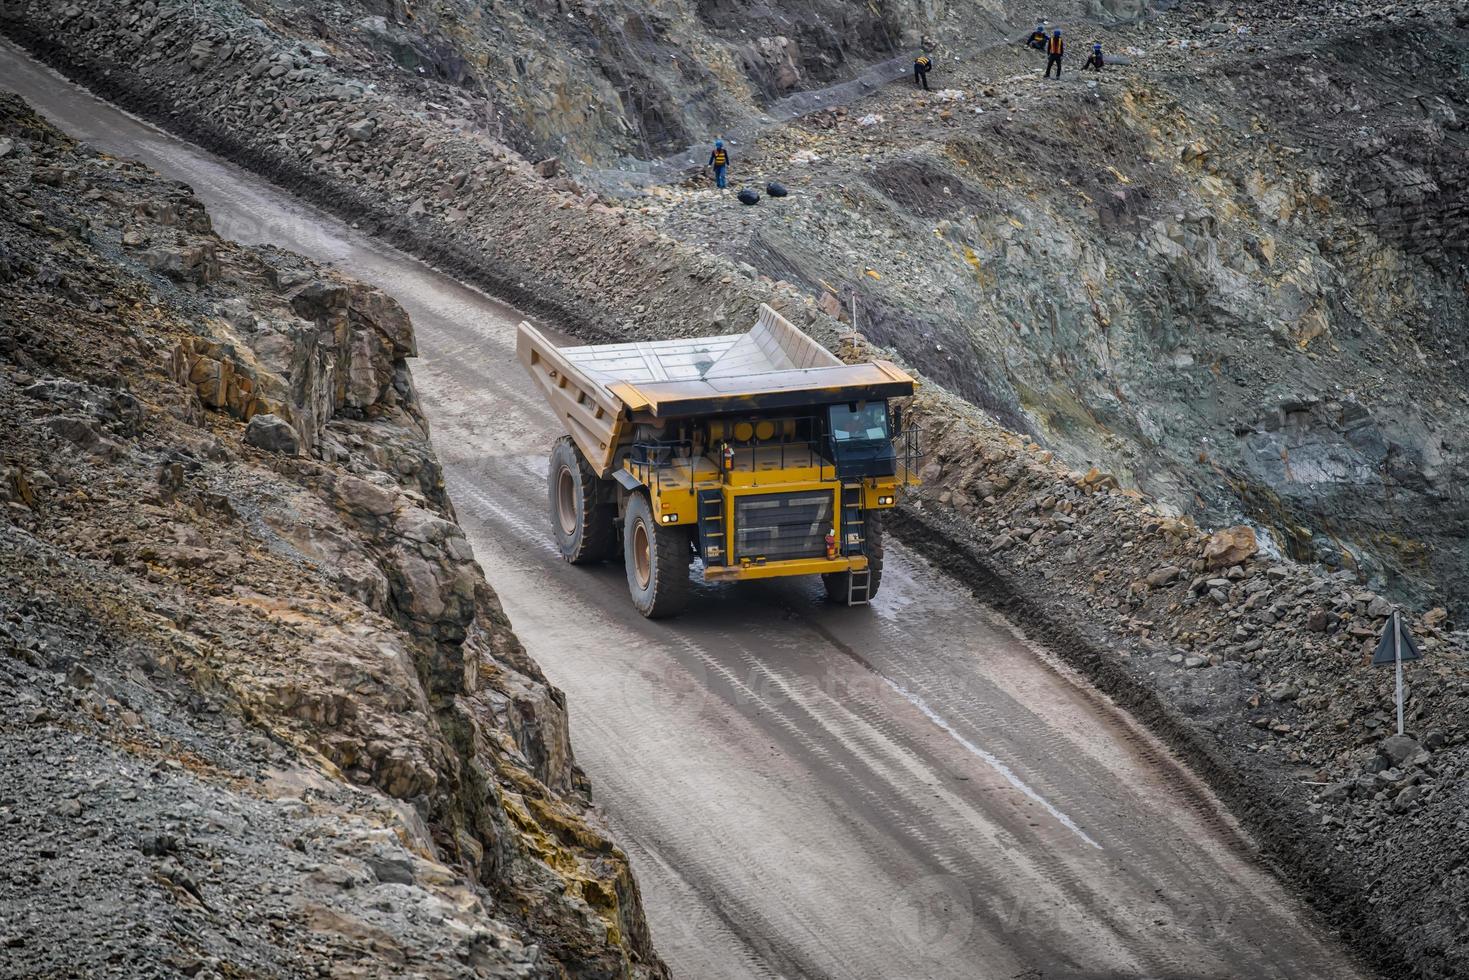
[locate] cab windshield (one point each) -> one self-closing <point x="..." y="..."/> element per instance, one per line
<point x="864" y="423"/>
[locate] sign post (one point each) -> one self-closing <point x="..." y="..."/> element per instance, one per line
<point x="1395" y="647"/>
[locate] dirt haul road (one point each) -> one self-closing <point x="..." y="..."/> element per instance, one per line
<point x="905" y="790"/>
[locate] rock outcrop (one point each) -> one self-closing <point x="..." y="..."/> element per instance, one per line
<point x="260" y="714"/>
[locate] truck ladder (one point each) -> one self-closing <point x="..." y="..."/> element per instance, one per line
<point x="859" y="580"/>
<point x="852" y="519"/>
<point x="711" y="528"/>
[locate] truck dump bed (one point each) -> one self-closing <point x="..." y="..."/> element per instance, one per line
<point x="597" y="390"/>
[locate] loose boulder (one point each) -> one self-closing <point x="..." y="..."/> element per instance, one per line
<point x="1230" y="546"/>
<point x="776" y="189"/>
<point x="749" y="196"/>
<point x="1162" y="576"/>
<point x="831" y="306"/>
<point x="196" y="263"/>
<point x="273" y="434"/>
<point x="1396" y="750"/>
<point x="362" y="129"/>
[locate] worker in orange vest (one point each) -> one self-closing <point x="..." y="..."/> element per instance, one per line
<point x="719" y="160"/>
<point x="922" y="65"/>
<point x="1055" y="48"/>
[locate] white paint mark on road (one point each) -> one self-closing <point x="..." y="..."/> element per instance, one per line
<point x="990" y="760"/>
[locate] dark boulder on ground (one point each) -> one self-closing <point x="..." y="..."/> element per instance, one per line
<point x="273" y="434"/>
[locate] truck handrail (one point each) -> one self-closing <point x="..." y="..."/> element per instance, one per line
<point x="656" y="455"/>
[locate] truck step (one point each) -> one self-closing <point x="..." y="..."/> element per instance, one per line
<point x="711" y="527"/>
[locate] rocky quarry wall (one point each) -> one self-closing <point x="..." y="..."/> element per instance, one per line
<point x="260" y="714"/>
<point x="1236" y="281"/>
<point x="1252" y="666"/>
<point x="595" y="80"/>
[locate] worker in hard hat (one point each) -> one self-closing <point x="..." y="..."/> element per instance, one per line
<point x="719" y="160"/>
<point x="1037" y="37"/>
<point x="922" y="65"/>
<point x="1094" y="62"/>
<point x="1055" y="50"/>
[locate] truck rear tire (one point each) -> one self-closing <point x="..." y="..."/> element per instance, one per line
<point x="657" y="558"/>
<point x="839" y="584"/>
<point x="583" y="506"/>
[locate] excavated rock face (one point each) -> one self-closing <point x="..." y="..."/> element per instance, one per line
<point x="259" y="711"/>
<point x="588" y="80"/>
<point x="1236" y="279"/>
<point x="1405" y="163"/>
<point x="592" y="81"/>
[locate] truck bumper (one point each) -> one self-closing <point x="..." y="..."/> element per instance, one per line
<point x="780" y="569"/>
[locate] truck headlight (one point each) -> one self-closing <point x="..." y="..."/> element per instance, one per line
<point x="884" y="501"/>
<point x="670" y="518"/>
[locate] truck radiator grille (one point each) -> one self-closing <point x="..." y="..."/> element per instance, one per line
<point x="782" y="526"/>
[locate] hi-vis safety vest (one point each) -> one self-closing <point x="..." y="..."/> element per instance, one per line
<point x="923" y="62"/>
<point x="721" y="158"/>
<point x="1056" y="46"/>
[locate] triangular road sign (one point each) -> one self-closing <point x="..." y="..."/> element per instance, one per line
<point x="1384" y="656"/>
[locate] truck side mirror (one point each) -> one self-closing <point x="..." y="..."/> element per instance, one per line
<point x="898" y="420"/>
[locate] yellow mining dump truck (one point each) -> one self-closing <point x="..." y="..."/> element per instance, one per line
<point x="759" y="454"/>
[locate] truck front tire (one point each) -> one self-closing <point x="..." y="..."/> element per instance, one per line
<point x="583" y="506"/>
<point x="839" y="584"/>
<point x="657" y="560"/>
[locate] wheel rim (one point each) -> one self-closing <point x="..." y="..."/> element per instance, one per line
<point x="566" y="501"/>
<point x="642" y="554"/>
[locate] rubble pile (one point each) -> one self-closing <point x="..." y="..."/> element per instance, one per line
<point x="260" y="714"/>
<point x="1264" y="666"/>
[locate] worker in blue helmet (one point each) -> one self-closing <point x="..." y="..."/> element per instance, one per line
<point x="1095" y="61"/>
<point x="719" y="160"/>
<point x="1055" y="51"/>
<point x="1037" y="37"/>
